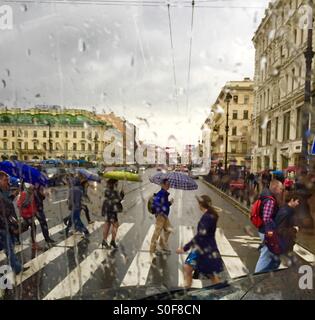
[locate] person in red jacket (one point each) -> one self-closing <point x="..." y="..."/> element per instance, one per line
<point x="27" y="205"/>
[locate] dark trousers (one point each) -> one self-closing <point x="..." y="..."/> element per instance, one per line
<point x="30" y="223"/>
<point x="43" y="223"/>
<point x="86" y="210"/>
<point x="75" y="219"/>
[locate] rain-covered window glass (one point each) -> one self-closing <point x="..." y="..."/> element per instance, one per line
<point x="286" y="126"/>
<point x="245" y="114"/>
<point x="44" y="134"/>
<point x="234" y="114"/>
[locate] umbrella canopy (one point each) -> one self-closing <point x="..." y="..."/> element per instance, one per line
<point x="90" y="176"/>
<point x="177" y="180"/>
<point x="277" y="172"/>
<point x="122" y="175"/>
<point x="24" y="172"/>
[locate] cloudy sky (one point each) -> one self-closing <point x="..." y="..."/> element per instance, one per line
<point x="118" y="58"/>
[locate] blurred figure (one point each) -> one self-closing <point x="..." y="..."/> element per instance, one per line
<point x="28" y="210"/>
<point x="204" y="256"/>
<point x="111" y="206"/>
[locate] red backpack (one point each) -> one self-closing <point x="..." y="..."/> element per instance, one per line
<point x="255" y="214"/>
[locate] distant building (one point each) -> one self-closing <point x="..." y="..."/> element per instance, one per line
<point x="239" y="134"/>
<point x="27" y="134"/>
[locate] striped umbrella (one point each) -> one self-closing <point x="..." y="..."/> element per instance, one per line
<point x="177" y="180"/>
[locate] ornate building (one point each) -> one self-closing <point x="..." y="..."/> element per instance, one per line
<point x="280" y="42"/>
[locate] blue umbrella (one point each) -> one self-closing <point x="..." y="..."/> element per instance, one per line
<point x="14" y="182"/>
<point x="177" y="180"/>
<point x="24" y="172"/>
<point x="277" y="172"/>
<point x="90" y="176"/>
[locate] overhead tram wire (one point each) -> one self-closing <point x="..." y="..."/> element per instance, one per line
<point x="190" y="49"/>
<point x="173" y="57"/>
<point x="114" y="3"/>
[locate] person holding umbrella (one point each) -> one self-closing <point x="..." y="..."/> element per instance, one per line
<point x="161" y="206"/>
<point x="204" y="257"/>
<point x="111" y="206"/>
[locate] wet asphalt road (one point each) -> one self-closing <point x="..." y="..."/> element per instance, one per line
<point x="76" y="267"/>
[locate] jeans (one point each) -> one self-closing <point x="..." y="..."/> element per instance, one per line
<point x="76" y="220"/>
<point x="7" y="243"/>
<point x="267" y="260"/>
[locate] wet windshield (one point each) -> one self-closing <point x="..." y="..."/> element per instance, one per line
<point x="159" y="145"/>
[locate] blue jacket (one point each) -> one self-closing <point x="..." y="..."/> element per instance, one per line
<point x="75" y="196"/>
<point x="161" y="203"/>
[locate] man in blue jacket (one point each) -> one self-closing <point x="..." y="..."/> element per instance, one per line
<point x="161" y="205"/>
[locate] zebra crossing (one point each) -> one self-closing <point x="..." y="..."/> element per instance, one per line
<point x="136" y="272"/>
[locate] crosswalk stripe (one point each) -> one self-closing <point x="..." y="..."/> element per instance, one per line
<point x="82" y="273"/>
<point x="304" y="254"/>
<point x="232" y="261"/>
<point x="139" y="269"/>
<point x="185" y="235"/>
<point x="51" y="254"/>
<point x="25" y="244"/>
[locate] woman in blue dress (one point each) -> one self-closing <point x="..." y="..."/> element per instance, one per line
<point x="204" y="257"/>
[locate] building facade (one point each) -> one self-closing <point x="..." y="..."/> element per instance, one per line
<point x="240" y="113"/>
<point x="51" y="133"/>
<point x="280" y="42"/>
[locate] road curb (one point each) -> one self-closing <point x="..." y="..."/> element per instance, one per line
<point x="242" y="208"/>
<point x="234" y="202"/>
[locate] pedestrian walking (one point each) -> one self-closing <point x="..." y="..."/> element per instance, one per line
<point x="204" y="256"/>
<point x="28" y="210"/>
<point x="74" y="205"/>
<point x="285" y="224"/>
<point x="9" y="226"/>
<point x="110" y="208"/>
<point x="39" y="196"/>
<point x="85" y="199"/>
<point x="161" y="205"/>
<point x="269" y="207"/>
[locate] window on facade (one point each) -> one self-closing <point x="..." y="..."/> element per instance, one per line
<point x="293" y="79"/>
<point x="5" y="145"/>
<point x="268" y="133"/>
<point x="45" y="146"/>
<point x="13" y="133"/>
<point x="234" y="131"/>
<point x="286" y="126"/>
<point x="20" y="145"/>
<point x="82" y="147"/>
<point x="50" y="134"/>
<point x="44" y="134"/>
<point x="295" y="33"/>
<point x="74" y="134"/>
<point x="246" y="99"/>
<point x="244" y="147"/>
<point x="234" y="114"/>
<point x="57" y="134"/>
<point x="245" y="114"/>
<point x="34" y="134"/>
<point x="35" y="146"/>
<point x="83" y="135"/>
<point x="13" y="145"/>
<point x="235" y="99"/>
<point x="5" y="133"/>
<point x="66" y="134"/>
<point x="233" y="147"/>
<point x="90" y="147"/>
<point x="26" y="145"/>
<point x="74" y="147"/>
<point x="277" y="129"/>
<point x="66" y="146"/>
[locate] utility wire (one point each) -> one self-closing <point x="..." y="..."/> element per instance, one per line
<point x="173" y="56"/>
<point x="190" y="49"/>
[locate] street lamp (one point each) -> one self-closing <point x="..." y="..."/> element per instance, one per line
<point x="306" y="109"/>
<point x="228" y="98"/>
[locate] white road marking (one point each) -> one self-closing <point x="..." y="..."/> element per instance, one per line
<point x="59" y="201"/>
<point x="304" y="254"/>
<point x="185" y="235"/>
<point x="71" y="285"/>
<point x="139" y="269"/>
<point x="39" y="237"/>
<point x="232" y="261"/>
<point x="51" y="254"/>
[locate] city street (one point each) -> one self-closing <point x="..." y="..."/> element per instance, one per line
<point x="76" y="267"/>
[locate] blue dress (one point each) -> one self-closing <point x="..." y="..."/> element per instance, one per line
<point x="205" y="256"/>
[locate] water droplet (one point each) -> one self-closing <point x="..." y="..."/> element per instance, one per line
<point x="81" y="45"/>
<point x="29" y="52"/>
<point x="4" y="84"/>
<point x="24" y="7"/>
<point x="37" y="95"/>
